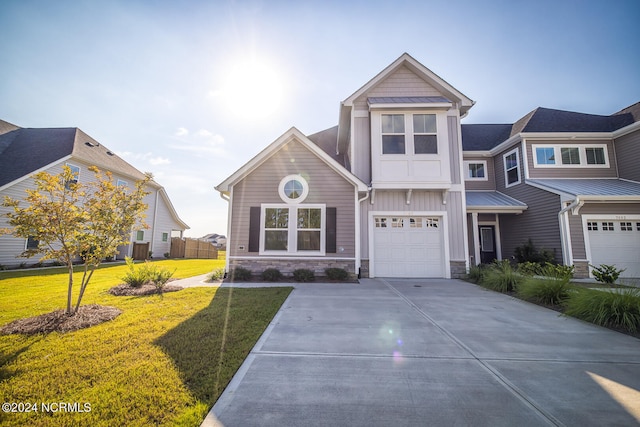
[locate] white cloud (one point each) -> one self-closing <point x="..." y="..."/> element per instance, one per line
<point x="202" y="141"/>
<point x="182" y="132"/>
<point x="147" y="157"/>
<point x="159" y="161"/>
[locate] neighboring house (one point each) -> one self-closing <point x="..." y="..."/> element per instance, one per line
<point x="400" y="188"/>
<point x="218" y="240"/>
<point x="25" y="151"/>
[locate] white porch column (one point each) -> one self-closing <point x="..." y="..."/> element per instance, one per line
<point x="476" y="238"/>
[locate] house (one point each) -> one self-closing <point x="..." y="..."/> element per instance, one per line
<point x="26" y="151"/>
<point x="218" y="240"/>
<point x="401" y="188"/>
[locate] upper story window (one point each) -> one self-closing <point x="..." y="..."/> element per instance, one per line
<point x="75" y="170"/>
<point x="122" y="183"/>
<point x="587" y="155"/>
<point x="511" y="168"/>
<point x="293" y="189"/>
<point x="476" y="170"/>
<point x="402" y="133"/>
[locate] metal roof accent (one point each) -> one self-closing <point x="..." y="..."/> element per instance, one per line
<point x="592" y="188"/>
<point x="493" y="201"/>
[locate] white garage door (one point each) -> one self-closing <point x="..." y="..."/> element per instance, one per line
<point x="408" y="247"/>
<point x="615" y="243"/>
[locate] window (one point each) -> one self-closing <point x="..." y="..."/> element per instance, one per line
<point x="32" y="243"/>
<point x="140" y="235"/>
<point x="415" y="222"/>
<point x="165" y="237"/>
<point x="545" y="156"/>
<point x="476" y="171"/>
<point x="511" y="168"/>
<point x="570" y="155"/>
<point x="595" y="156"/>
<point x="638" y="226"/>
<point x="381" y="222"/>
<point x="592" y="226"/>
<point x="397" y="222"/>
<point x="121" y="183"/>
<point x="432" y="222"/>
<point x="425" y="139"/>
<point x="626" y="226"/>
<point x="293" y="189"/>
<point x="582" y="155"/>
<point x="76" y="174"/>
<point x="393" y="134"/>
<point x="607" y="226"/>
<point x="293" y="229"/>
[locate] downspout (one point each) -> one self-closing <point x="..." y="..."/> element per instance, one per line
<point x="358" y="224"/>
<point x="565" y="235"/>
<point x="226" y="261"/>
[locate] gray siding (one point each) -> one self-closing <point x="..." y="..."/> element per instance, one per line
<point x="403" y="82"/>
<point x="325" y="186"/>
<point x="455" y="146"/>
<point x="628" y="156"/>
<point x="571" y="172"/>
<point x="421" y="201"/>
<point x="490" y="183"/>
<point x="539" y="222"/>
<point x="362" y="163"/>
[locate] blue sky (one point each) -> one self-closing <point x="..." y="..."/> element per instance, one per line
<point x="159" y="81"/>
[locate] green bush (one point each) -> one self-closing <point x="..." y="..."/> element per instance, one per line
<point x="303" y="275"/>
<point x="618" y="308"/>
<point x="336" y="273"/>
<point x="271" y="275"/>
<point x="606" y="273"/>
<point x="240" y="274"/>
<point x="501" y="277"/>
<point x="476" y="273"/>
<point x="160" y="276"/>
<point x="528" y="252"/>
<point x="528" y="268"/>
<point x="217" y="274"/>
<point x="545" y="290"/>
<point x="137" y="275"/>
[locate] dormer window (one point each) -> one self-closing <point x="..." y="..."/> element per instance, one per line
<point x="393" y="141"/>
<point x="420" y="129"/>
<point x="425" y="139"/>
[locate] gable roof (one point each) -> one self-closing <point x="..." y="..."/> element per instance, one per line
<point x="326" y="140"/>
<point x="292" y="134"/>
<point x="479" y="137"/>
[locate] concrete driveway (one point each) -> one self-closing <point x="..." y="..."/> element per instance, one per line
<point x="434" y="352"/>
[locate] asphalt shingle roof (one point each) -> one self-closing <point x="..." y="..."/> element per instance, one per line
<point x="480" y="137"/>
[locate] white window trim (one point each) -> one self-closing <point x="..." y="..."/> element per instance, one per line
<point x="71" y="165"/>
<point x="409" y="134"/>
<point x="305" y="189"/>
<point x="504" y="165"/>
<point x="292" y="230"/>
<point x="467" y="163"/>
<point x="582" y="150"/>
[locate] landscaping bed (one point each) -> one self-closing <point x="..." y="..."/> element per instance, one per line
<point x="59" y="321"/>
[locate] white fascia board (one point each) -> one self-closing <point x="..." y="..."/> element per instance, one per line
<point x="412" y="106"/>
<point x="567" y="136"/>
<point x="291" y="135"/>
<point x="30" y="174"/>
<point x="172" y="209"/>
<point x="467" y="154"/>
<point x="496" y="209"/>
<point x="627" y="129"/>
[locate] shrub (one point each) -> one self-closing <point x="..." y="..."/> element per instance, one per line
<point x="217" y="274"/>
<point x="136" y="276"/>
<point x="167" y="255"/>
<point x="606" y="273"/>
<point x="528" y="268"/>
<point x="619" y="308"/>
<point x="303" y="275"/>
<point x="557" y="271"/>
<point x="476" y="273"/>
<point x="271" y="275"/>
<point x="501" y="277"/>
<point x="240" y="274"/>
<point x="528" y="252"/>
<point x="160" y="276"/>
<point x="546" y="290"/>
<point x="336" y="273"/>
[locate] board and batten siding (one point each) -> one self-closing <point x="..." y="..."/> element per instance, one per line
<point x="455" y="147"/>
<point x="362" y="162"/>
<point x="325" y="186"/>
<point x="571" y="171"/>
<point x="421" y="201"/>
<point x="402" y="82"/>
<point x="628" y="156"/>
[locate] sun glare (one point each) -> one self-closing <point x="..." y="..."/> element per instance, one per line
<point x="251" y="88"/>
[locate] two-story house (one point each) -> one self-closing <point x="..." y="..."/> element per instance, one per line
<point x="26" y="151"/>
<point x="400" y="188"/>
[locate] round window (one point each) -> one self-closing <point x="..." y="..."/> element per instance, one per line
<point x="293" y="189"/>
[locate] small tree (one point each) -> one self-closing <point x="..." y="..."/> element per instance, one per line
<point x="72" y="220"/>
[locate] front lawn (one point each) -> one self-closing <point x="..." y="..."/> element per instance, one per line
<point x="164" y="361"/>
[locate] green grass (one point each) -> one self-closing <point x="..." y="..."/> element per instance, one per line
<point x="164" y="361"/>
<point x="618" y="308"/>
<point x="544" y="290"/>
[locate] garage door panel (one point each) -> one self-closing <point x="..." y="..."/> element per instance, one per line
<point x="615" y="243"/>
<point x="408" y="247"/>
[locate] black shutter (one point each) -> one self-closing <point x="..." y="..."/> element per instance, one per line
<point x="254" y="229"/>
<point x="330" y="243"/>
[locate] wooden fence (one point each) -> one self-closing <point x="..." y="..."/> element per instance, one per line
<point x="192" y="248"/>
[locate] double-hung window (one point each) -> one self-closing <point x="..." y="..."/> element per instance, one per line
<point x="293" y="229"/>
<point x="75" y="170"/>
<point x="409" y="134"/>
<point x="511" y="168"/>
<point x="476" y="170"/>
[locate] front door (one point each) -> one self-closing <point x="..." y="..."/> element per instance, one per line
<point x="487" y="244"/>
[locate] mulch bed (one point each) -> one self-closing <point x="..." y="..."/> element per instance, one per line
<point x="58" y="321"/>
<point x="148" y="289"/>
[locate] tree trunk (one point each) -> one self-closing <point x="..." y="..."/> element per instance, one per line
<point x="70" y="268"/>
